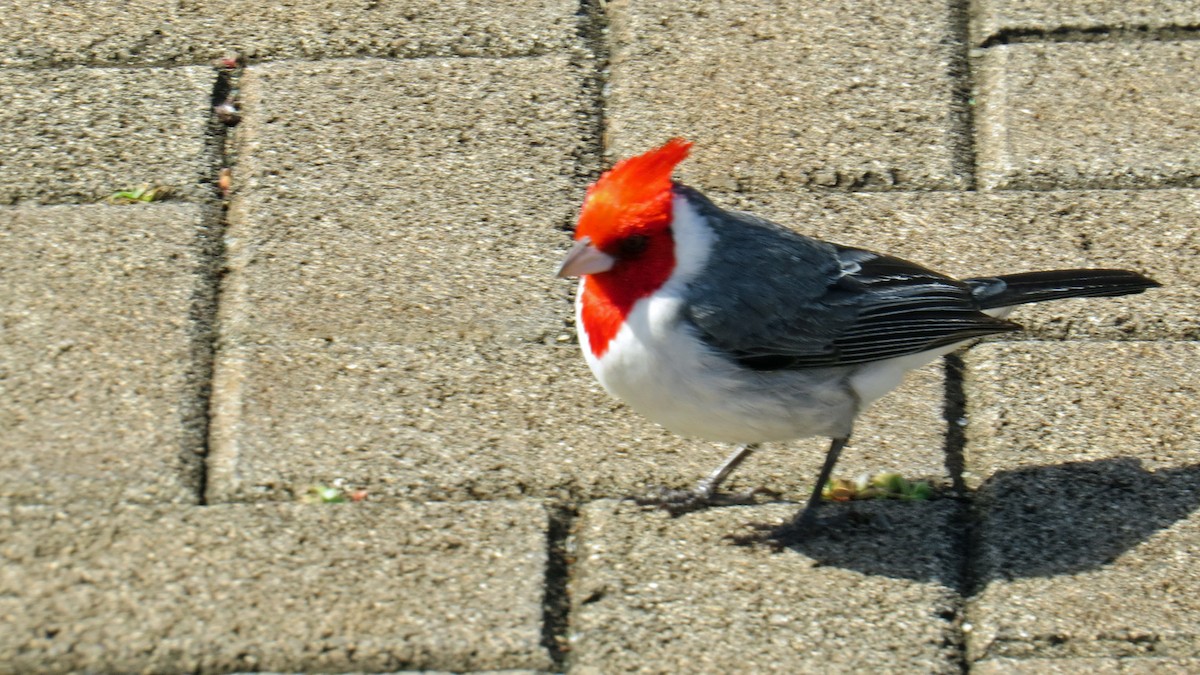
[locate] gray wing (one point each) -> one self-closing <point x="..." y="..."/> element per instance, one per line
<point x="778" y="300"/>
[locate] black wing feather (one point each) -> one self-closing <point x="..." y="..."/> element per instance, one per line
<point x="827" y="305"/>
<point x="906" y="308"/>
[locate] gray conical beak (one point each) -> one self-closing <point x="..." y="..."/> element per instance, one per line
<point x="583" y="258"/>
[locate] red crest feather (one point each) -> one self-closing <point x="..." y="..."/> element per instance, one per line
<point x="635" y="193"/>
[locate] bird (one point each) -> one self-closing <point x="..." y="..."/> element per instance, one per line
<point x="726" y="327"/>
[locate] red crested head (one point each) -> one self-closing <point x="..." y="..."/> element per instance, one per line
<point x="625" y="249"/>
<point x="632" y="198"/>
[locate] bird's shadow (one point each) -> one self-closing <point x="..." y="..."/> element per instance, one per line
<point x="1039" y="521"/>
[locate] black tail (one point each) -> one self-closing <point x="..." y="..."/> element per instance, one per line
<point x="1018" y="289"/>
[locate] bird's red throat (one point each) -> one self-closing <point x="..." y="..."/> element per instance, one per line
<point x="609" y="298"/>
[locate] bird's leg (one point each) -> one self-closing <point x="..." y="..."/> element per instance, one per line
<point x="804" y="521"/>
<point x="708" y="486"/>
<point x="705" y="493"/>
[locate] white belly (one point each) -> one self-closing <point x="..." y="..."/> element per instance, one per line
<point x="665" y="373"/>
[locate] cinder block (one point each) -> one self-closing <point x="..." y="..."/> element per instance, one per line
<point x="1085" y="457"/>
<point x="1032" y="17"/>
<point x="452" y="421"/>
<point x="145" y="32"/>
<point x="103" y="354"/>
<point x="1069" y="666"/>
<point x="663" y="595"/>
<point x="799" y="93"/>
<point x="286" y="588"/>
<point x="403" y="201"/>
<point x="1036" y="404"/>
<point x="1088" y="115"/>
<point x="81" y="134"/>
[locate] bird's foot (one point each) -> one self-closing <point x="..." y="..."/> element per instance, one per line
<point x="679" y="502"/>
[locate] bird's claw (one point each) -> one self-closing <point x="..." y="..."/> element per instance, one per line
<point x="679" y="502"/>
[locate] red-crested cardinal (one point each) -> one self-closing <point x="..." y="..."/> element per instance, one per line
<point x="731" y="328"/>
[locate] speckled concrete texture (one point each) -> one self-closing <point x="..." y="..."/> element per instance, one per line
<point x="273" y="587"/>
<point x="1088" y="115"/>
<point x="1087" y="490"/>
<point x="144" y="32"/>
<point x="1082" y="402"/>
<point x="661" y="595"/>
<point x="402" y="201"/>
<point x="1086" y="666"/>
<point x="1031" y="19"/>
<point x="1114" y="574"/>
<point x="785" y="95"/>
<point x="99" y="376"/>
<point x="81" y="134"/>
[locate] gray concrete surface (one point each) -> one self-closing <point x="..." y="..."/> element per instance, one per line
<point x="1084" y="402"/>
<point x="781" y="95"/>
<point x="332" y="239"/>
<point x="273" y="587"/>
<point x="1088" y="115"/>
<point x="1087" y="489"/>
<point x="149" y="33"/>
<point x="81" y="134"/>
<point x="100" y="379"/>
<point x="1071" y="666"/>
<point x="372" y="307"/>
<point x="1108" y="584"/>
<point x="663" y="595"/>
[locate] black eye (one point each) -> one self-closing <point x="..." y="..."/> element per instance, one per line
<point x="632" y="246"/>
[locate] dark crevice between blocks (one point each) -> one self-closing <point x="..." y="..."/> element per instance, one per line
<point x="1094" y="34"/>
<point x="965" y="517"/>
<point x="593" y="64"/>
<point x="963" y="98"/>
<point x="556" y="598"/>
<point x="203" y="312"/>
<point x="202" y="316"/>
<point x="955" y="413"/>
